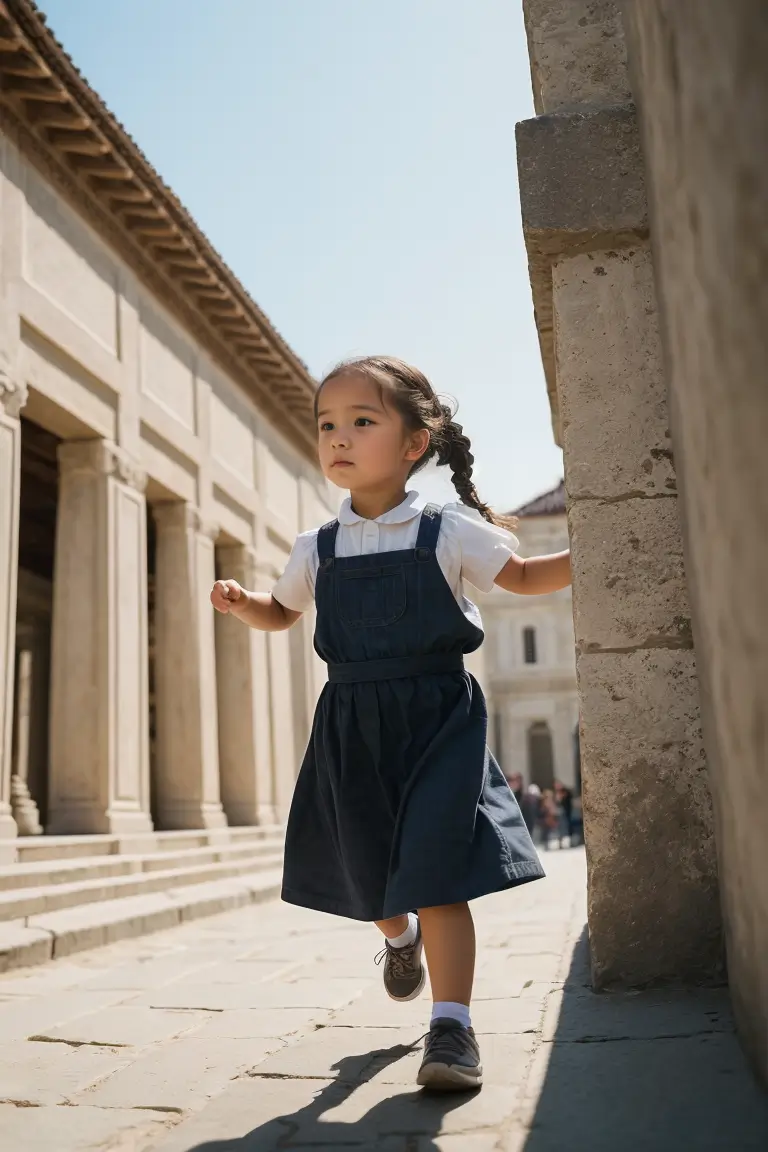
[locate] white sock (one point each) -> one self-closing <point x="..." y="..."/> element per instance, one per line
<point x="447" y="1010"/>
<point x="407" y="937"/>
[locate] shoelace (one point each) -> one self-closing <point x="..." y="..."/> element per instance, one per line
<point x="452" y="1041"/>
<point x="400" y="959"/>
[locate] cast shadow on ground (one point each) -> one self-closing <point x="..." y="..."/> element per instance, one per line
<point x="653" y="1071"/>
<point x="406" y="1114"/>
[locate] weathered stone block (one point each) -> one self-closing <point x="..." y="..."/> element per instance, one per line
<point x="610" y="378"/>
<point x="630" y="591"/>
<point x="577" y="51"/>
<point x="653" y="898"/>
<point x="581" y="176"/>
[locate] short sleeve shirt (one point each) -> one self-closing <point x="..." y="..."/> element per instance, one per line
<point x="468" y="548"/>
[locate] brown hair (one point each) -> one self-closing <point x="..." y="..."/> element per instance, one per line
<point x="419" y="405"/>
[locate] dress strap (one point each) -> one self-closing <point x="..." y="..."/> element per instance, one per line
<point x="326" y="543"/>
<point x="429" y="530"/>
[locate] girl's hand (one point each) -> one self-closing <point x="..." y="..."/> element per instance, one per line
<point x="225" y="594"/>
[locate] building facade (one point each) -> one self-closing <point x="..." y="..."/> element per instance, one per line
<point x="530" y="663"/>
<point x="155" y="430"/>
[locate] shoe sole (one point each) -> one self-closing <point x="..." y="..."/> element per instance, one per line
<point x="411" y="995"/>
<point x="449" y="1078"/>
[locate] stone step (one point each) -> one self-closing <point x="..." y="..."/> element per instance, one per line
<point x="56" y="934"/>
<point x="74" y="870"/>
<point x="30" y="849"/>
<point x="30" y="902"/>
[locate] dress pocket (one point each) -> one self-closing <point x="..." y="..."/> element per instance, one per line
<point x="371" y="597"/>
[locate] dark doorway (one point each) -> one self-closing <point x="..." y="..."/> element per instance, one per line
<point x="39" y="499"/>
<point x="541" y="766"/>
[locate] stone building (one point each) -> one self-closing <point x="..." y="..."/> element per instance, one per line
<point x="154" y="429"/>
<point x="529" y="662"/>
<point x="644" y="191"/>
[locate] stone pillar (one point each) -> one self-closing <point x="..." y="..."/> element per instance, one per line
<point x="242" y="682"/>
<point x="284" y="757"/>
<point x="653" y="901"/>
<point x="24" y="808"/>
<point x="99" y="739"/>
<point x="12" y="399"/>
<point x="187" y="762"/>
<point x="702" y="88"/>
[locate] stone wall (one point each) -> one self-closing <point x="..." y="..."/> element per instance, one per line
<point x="653" y="901"/>
<point x="699" y="73"/>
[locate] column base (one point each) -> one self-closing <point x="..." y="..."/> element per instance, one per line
<point x="190" y="816"/>
<point x="24" y="809"/>
<point x="8" y="836"/>
<point x="82" y="820"/>
<point x="246" y="814"/>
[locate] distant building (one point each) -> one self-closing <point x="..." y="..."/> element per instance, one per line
<point x="530" y="668"/>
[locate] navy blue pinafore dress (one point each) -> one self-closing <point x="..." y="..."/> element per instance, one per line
<point x="399" y="804"/>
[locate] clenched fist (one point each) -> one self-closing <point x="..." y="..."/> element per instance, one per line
<point x="225" y="594"/>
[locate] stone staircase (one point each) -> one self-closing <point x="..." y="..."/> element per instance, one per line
<point x="69" y="893"/>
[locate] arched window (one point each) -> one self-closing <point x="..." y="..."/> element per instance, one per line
<point x="529" y="646"/>
<point x="541" y="762"/>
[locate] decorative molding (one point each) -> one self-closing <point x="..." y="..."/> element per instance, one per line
<point x="59" y="123"/>
<point x="101" y="458"/>
<point x="13" y="392"/>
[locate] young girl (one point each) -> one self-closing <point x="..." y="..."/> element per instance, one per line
<point x="401" y="815"/>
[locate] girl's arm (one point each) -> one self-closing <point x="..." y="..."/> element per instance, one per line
<point x="537" y="576"/>
<point x="256" y="609"/>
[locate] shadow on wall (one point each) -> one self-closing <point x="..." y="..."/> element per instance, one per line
<point x="652" y="1071"/>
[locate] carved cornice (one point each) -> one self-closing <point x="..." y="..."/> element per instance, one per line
<point x="62" y="126"/>
<point x="100" y="458"/>
<point x="13" y="392"/>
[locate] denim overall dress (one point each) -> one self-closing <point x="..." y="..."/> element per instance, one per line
<point x="399" y="804"/>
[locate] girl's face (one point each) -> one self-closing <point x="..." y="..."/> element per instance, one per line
<point x="362" y="440"/>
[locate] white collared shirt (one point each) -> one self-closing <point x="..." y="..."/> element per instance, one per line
<point x="468" y="548"/>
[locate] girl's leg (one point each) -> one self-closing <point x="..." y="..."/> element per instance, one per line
<point x="392" y="928"/>
<point x="449" y="941"/>
<point x="451" y="1056"/>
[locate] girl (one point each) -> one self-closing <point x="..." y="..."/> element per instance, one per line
<point x="401" y="815"/>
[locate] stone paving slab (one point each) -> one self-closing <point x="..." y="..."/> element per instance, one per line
<point x="36" y="1073"/>
<point x="268" y="1028"/>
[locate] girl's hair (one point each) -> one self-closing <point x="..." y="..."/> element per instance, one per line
<point x="415" y="399"/>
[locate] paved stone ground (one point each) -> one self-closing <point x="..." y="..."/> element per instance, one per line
<point x="267" y="1028"/>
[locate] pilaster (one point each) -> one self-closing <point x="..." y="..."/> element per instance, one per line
<point x="188" y="792"/>
<point x="243" y="693"/>
<point x="12" y="399"/>
<point x="99" y="759"/>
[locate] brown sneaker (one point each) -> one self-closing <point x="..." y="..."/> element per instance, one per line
<point x="404" y="975"/>
<point x="451" y="1059"/>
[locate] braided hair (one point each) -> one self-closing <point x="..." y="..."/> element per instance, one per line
<point x="412" y="395"/>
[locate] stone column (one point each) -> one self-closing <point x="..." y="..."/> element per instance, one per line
<point x="99" y="738"/>
<point x="12" y="399"/>
<point x="653" y="900"/>
<point x="188" y="794"/>
<point x="284" y="758"/>
<point x="24" y="808"/>
<point x="242" y="683"/>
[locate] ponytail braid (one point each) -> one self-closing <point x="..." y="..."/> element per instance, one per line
<point x="456" y="452"/>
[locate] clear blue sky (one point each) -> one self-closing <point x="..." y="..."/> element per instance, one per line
<point x="354" y="163"/>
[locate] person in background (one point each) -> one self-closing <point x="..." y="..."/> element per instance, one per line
<point x="564" y="798"/>
<point x="549" y="817"/>
<point x="530" y="808"/>
<point x="515" y="782"/>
